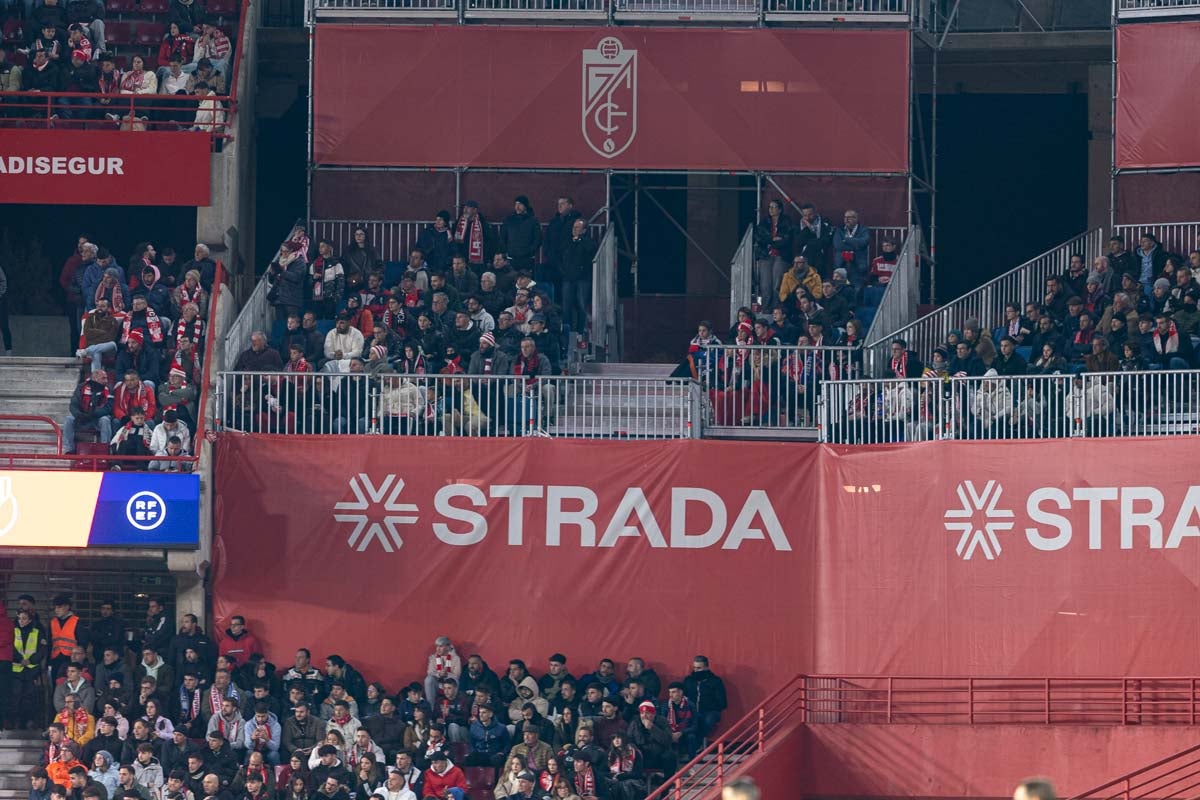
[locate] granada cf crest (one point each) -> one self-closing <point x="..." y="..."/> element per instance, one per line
<point x="609" y="97"/>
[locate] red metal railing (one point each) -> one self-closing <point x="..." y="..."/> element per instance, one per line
<point x="39" y="110"/>
<point x="96" y="461"/>
<point x="750" y="736"/>
<point x="1174" y="777"/>
<point x="6" y="434"/>
<point x="1002" y="700"/>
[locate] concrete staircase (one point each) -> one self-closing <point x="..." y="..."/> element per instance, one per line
<point x="19" y="751"/>
<point x="625" y="401"/>
<point x="39" y="386"/>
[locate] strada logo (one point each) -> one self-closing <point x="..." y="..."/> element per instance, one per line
<point x="963" y="520"/>
<point x="693" y="518"/>
<point x="374" y="531"/>
<point x="1140" y="516"/>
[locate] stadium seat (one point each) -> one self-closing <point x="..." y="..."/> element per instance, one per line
<point x="118" y="33"/>
<point x="118" y="7"/>
<point x="155" y="6"/>
<point x="230" y="30"/>
<point x="324" y="326"/>
<point x="150" y="33"/>
<point x="90" y="448"/>
<point x="223" y="8"/>
<point x="392" y="271"/>
<point x="873" y="295"/>
<point x="1026" y="352"/>
<point x="13" y="32"/>
<point x="17" y="58"/>
<point x="121" y="61"/>
<point x="865" y="315"/>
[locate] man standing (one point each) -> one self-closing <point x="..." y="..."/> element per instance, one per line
<point x="559" y="232"/>
<point x="66" y="633"/>
<point x="706" y="692"/>
<point x="521" y="235"/>
<point x="772" y="249"/>
<point x="850" y="245"/>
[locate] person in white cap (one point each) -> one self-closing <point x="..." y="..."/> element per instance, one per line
<point x="444" y="663"/>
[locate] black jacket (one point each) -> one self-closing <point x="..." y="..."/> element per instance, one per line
<point x="223" y="762"/>
<point x="84" y="11"/>
<point x="437" y="247"/>
<point x="1011" y="365"/>
<point x="578" y="255"/>
<point x="83" y="79"/>
<point x="146" y="362"/>
<point x="558" y="234"/>
<point x="706" y="691"/>
<point x="521" y="236"/>
<point x="387" y="732"/>
<point x="48" y="79"/>
<point x="287" y="283"/>
<point x="814" y="245"/>
<point x="763" y="240"/>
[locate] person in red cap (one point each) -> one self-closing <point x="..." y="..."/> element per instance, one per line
<point x="649" y="733"/>
<point x="80" y="76"/>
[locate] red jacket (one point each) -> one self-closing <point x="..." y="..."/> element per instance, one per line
<point x="240" y="648"/>
<point x="123" y="400"/>
<point x="6" y="634"/>
<point x="436" y="785"/>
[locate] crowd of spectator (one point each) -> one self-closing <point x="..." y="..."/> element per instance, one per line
<point x="469" y="301"/>
<point x="141" y="336"/>
<point x="176" y="81"/>
<point x="166" y="714"/>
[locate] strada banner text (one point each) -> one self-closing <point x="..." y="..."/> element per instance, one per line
<point x="611" y="98"/>
<point x="942" y="558"/>
<point x="128" y="168"/>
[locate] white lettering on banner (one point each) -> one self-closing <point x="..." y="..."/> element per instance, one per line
<point x="62" y="165"/>
<point x="696" y="518"/>
<point x="1139" y="508"/>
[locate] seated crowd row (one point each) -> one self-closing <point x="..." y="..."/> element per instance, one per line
<point x="217" y="720"/>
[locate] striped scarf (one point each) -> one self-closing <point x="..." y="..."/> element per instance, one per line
<point x="92" y="398"/>
<point x="197" y="331"/>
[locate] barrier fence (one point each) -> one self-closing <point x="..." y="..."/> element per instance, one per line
<point x="392" y="239"/>
<point x="1152" y="403"/>
<point x="1001" y="701"/>
<point x="840" y="11"/>
<point x="458" y="405"/>
<point x="126" y="112"/>
<point x="1134" y="9"/>
<point x="1175" y="237"/>
<point x="901" y="297"/>
<point x="765" y="389"/>
<point x="1024" y="284"/>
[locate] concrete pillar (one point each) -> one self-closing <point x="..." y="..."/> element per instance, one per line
<point x="1100" y="126"/>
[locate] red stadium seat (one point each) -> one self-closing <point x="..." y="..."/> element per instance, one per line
<point x="121" y="61"/>
<point x="150" y="33"/>
<point x="13" y="31"/>
<point x="118" y="7"/>
<point x="229" y="30"/>
<point x="155" y="6"/>
<point x="118" y="33"/>
<point x="223" y="8"/>
<point x="18" y="58"/>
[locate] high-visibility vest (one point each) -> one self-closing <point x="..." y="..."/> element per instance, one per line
<point x="23" y="649"/>
<point x="62" y="636"/>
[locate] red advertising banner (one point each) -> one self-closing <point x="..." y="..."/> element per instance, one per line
<point x="134" y="168"/>
<point x="943" y="558"/>
<point x="1158" y="102"/>
<point x="604" y="98"/>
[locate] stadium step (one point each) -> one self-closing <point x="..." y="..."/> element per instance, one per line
<point x="625" y="370"/>
<point x="19" y="750"/>
<point x="37" y="385"/>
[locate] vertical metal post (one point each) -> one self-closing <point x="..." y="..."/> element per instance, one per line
<point x="1112" y="126"/>
<point x="637" y="194"/>
<point x="970" y="701"/>
<point x="761" y="728"/>
<point x="458" y="171"/>
<point x="758" y="195"/>
<point x="889" y="699"/>
<point x="933" y="160"/>
<point x="1047" y="700"/>
<point x="312" y="31"/>
<point x="720" y="763"/>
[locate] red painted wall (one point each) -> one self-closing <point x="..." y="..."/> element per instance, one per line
<point x="847" y="760"/>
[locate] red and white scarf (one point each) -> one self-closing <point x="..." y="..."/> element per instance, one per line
<point x="76" y="724"/>
<point x="193" y="712"/>
<point x="116" y="300"/>
<point x="92" y="399"/>
<point x="133" y="80"/>
<point x="529" y="367"/>
<point x="300" y="365"/>
<point x="900" y="365"/>
<point x="197" y="331"/>
<point x="474" y="239"/>
<point x="153" y="324"/>
<point x="415" y="366"/>
<point x="1171" y="344"/>
<point x="623" y="760"/>
<point x="193" y="296"/>
<point x="585" y="781"/>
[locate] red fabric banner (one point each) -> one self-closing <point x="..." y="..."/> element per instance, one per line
<point x="1158" y="111"/>
<point x="943" y="558"/>
<point x="604" y="98"/>
<point x="127" y="168"/>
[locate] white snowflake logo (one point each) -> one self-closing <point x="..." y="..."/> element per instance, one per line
<point x="391" y="486"/>
<point x="973" y="535"/>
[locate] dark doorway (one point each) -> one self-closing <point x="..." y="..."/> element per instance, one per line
<point x="1012" y="182"/>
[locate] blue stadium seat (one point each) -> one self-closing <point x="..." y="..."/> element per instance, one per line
<point x="866" y="315"/>
<point x="873" y="295"/>
<point x="392" y="272"/>
<point x="1025" y="352"/>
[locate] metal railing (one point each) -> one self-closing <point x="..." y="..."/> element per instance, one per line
<point x="1175" y="237"/>
<point x="1095" y="404"/>
<point x="393" y="238"/>
<point x="735" y="749"/>
<point x="458" y="405"/>
<point x="587" y="9"/>
<point x="902" y="294"/>
<point x="840" y="10"/>
<point x="904" y="700"/>
<point x="764" y="390"/>
<point x="741" y="275"/>
<point x="1016" y="16"/>
<point x="130" y="112"/>
<point x="1175" y="777"/>
<point x="42" y="425"/>
<point x="380" y="8"/>
<point x="256" y="314"/>
<point x="606" y="334"/>
<point x="1138" y="9"/>
<point x="1023" y="284"/>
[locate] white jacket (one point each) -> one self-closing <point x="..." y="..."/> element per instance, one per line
<point x="350" y="343"/>
<point x="158" y="439"/>
<point x="210" y="115"/>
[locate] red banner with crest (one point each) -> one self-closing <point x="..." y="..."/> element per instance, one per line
<point x="605" y="98"/>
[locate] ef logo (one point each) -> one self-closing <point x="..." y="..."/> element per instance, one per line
<point x="146" y="511"/>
